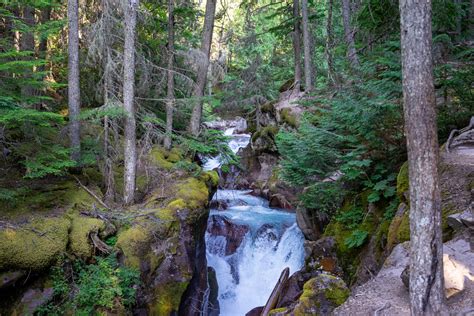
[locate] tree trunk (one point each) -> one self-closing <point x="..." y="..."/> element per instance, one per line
<point x="206" y="42"/>
<point x="332" y="77"/>
<point x="74" y="96"/>
<point x="349" y="34"/>
<point x="426" y="262"/>
<point x="297" y="44"/>
<point x="471" y="18"/>
<point x="27" y="43"/>
<point x="308" y="64"/>
<point x="170" y="92"/>
<point x="130" y="150"/>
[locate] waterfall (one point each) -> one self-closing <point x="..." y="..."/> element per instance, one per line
<point x="249" y="244"/>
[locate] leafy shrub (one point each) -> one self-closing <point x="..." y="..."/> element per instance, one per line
<point x="356" y="239"/>
<point x="101" y="285"/>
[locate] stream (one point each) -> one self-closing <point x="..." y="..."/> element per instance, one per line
<point x="248" y="243"/>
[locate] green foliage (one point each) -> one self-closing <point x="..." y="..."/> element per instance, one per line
<point x="352" y="217"/>
<point x="32" y="138"/>
<point x="357" y="134"/>
<point x="103" y="285"/>
<point x="356" y="239"/>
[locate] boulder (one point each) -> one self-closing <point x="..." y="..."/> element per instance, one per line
<point x="32" y="299"/>
<point x="460" y="221"/>
<point x="456" y="270"/>
<point x="321" y="295"/>
<point x="307" y="224"/>
<point x="234" y="233"/>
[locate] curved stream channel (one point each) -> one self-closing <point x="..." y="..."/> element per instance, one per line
<point x="249" y="244"/>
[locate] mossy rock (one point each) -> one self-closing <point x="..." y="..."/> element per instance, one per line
<point x="135" y="245"/>
<point x="34" y="246"/>
<point x="165" y="159"/>
<point x="194" y="192"/>
<point x="279" y="311"/>
<point x="288" y="117"/>
<point x="268" y="107"/>
<point x="403" y="183"/>
<point x="321" y="295"/>
<point x="81" y="228"/>
<point x="167" y="298"/>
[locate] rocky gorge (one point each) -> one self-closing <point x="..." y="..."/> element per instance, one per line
<point x="233" y="242"/>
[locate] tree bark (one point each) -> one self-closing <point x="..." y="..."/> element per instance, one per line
<point x="206" y="42"/>
<point x="297" y="44"/>
<point x="349" y="34"/>
<point x="332" y="77"/>
<point x="27" y="43"/>
<point x="308" y="64"/>
<point x="426" y="262"/>
<point x="170" y="92"/>
<point x="130" y="150"/>
<point x="74" y="96"/>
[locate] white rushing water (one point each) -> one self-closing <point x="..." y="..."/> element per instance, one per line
<point x="270" y="242"/>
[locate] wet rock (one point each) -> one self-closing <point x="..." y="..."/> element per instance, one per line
<point x="267" y="232"/>
<point x="234" y="233"/>
<point x="219" y="205"/>
<point x="32" y="299"/>
<point x="257" y="311"/>
<point x="280" y="201"/>
<point x="213" y="307"/>
<point x="307" y="224"/>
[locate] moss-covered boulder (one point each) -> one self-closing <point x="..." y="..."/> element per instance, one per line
<point x="165" y="242"/>
<point x="321" y="295"/>
<point x="264" y="139"/>
<point x="79" y="237"/>
<point x="33" y="246"/>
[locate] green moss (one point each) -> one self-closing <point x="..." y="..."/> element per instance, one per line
<point x="268" y="107"/>
<point x="211" y="178"/>
<point x="81" y="228"/>
<point x="337" y="294"/>
<point x="288" y="117"/>
<point x="278" y="311"/>
<point x="321" y="294"/>
<point x="194" y="192"/>
<point x="177" y="204"/>
<point x="135" y="244"/>
<point x="33" y="246"/>
<point x="165" y="159"/>
<point x="168" y="214"/>
<point x="168" y="298"/>
<point x="268" y="132"/>
<point x="403" y="182"/>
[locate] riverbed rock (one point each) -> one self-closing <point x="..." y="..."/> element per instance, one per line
<point x="307" y="224"/>
<point x="213" y="305"/>
<point x="234" y="233"/>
